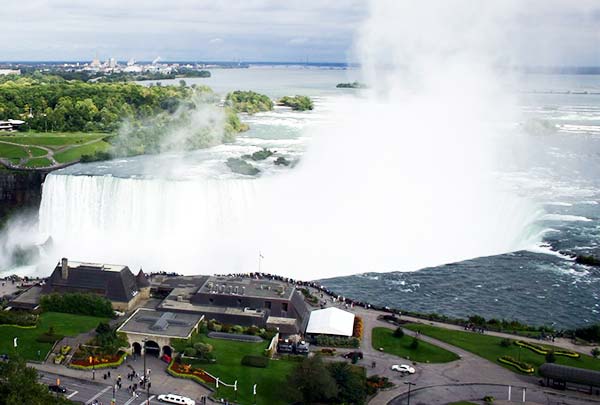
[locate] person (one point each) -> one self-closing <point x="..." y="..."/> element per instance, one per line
<point x="373" y="364"/>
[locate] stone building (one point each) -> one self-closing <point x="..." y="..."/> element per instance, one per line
<point x="114" y="282"/>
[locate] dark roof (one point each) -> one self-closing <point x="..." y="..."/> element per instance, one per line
<point x="570" y="374"/>
<point x="142" y="280"/>
<point x="115" y="283"/>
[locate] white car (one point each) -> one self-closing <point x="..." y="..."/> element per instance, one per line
<point x="176" y="399"/>
<point x="403" y="368"/>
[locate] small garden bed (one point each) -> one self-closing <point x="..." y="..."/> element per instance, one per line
<point x="519" y="365"/>
<point x="187" y="371"/>
<point x="544" y="350"/>
<point x="94" y="362"/>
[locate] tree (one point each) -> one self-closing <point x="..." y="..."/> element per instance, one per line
<point x="595" y="352"/>
<point x="309" y="384"/>
<point x="550" y="357"/>
<point x="414" y="345"/>
<point x="351" y="383"/>
<point x="399" y="333"/>
<point x="18" y="385"/>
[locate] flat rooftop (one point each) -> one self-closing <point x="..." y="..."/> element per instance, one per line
<point x="245" y="286"/>
<point x="94" y="266"/>
<point x="174" y="305"/>
<point x="151" y="322"/>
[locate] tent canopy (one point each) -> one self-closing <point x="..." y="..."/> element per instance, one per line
<point x="330" y="321"/>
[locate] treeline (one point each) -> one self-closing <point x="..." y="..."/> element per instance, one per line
<point x="77" y="303"/>
<point x="248" y="101"/>
<point x="50" y="103"/>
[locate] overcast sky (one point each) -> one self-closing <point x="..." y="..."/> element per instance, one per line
<point x="544" y="32"/>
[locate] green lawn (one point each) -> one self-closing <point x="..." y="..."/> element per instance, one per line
<point x="38" y="162"/>
<point x="53" y="140"/>
<point x="76" y="152"/>
<point x="37" y="152"/>
<point x="425" y="352"/>
<point x="489" y="348"/>
<point x="12" y="151"/>
<point x="27" y="346"/>
<point x="228" y="368"/>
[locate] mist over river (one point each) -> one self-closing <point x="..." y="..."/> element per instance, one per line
<point x="188" y="213"/>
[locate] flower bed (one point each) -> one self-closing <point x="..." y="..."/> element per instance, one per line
<point x="358" y="327"/>
<point x="543" y="350"/>
<point x="106" y="361"/>
<point x="519" y="365"/>
<point x="187" y="371"/>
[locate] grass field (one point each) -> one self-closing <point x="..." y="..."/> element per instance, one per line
<point x="76" y="152"/>
<point x="27" y="346"/>
<point x="425" y="352"/>
<point x="489" y="348"/>
<point x="228" y="368"/>
<point x="38" y="162"/>
<point x="12" y="151"/>
<point x="66" y="147"/>
<point x="52" y="140"/>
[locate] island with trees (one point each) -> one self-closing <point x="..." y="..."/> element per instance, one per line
<point x="351" y="85"/>
<point x="248" y="101"/>
<point x="297" y="103"/>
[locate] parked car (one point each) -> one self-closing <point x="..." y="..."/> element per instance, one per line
<point x="403" y="368"/>
<point x="350" y="355"/>
<point x="176" y="399"/>
<point x="57" y="388"/>
<point x="302" y="347"/>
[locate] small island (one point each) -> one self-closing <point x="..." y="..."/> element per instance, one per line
<point x="297" y="103"/>
<point x="248" y="101"/>
<point x="353" y="85"/>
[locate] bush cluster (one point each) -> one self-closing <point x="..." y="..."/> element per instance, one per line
<point x="255" y="361"/>
<point x="78" y="303"/>
<point x="215" y="326"/>
<point x="297" y="103"/>
<point x="18" y="318"/>
<point x="248" y="101"/>
<point x="357" y="330"/>
<point x="324" y="340"/>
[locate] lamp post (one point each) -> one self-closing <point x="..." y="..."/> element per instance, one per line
<point x="410" y="384"/>
<point x="144" y="354"/>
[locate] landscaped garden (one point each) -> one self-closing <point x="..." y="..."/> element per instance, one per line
<point x="404" y="346"/>
<point x="228" y="367"/>
<point x="32" y="340"/>
<point x="494" y="348"/>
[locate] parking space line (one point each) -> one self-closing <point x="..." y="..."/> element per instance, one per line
<point x="72" y="394"/>
<point x="89" y="401"/>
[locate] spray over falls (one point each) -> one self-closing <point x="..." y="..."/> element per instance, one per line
<point x="395" y="180"/>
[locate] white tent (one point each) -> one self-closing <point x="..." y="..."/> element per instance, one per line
<point x="330" y="321"/>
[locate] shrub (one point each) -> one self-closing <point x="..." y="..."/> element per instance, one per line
<point x="203" y="328"/>
<point x="398" y="332"/>
<point x="550" y="357"/>
<point x="505" y="342"/>
<point x="595" y="352"/>
<point x="203" y="347"/>
<point x="488" y="399"/>
<point x="519" y="365"/>
<point x="189" y="352"/>
<point x="357" y="329"/>
<point x="17" y="318"/>
<point x="78" y="303"/>
<point x="226" y="328"/>
<point x="255" y="361"/>
<point x="324" y="340"/>
<point x="253" y="330"/>
<point x="237" y="329"/>
<point x="414" y="345"/>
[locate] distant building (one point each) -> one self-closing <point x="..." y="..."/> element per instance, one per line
<point x="4" y="72"/>
<point x="10" y="125"/>
<point x="115" y="282"/>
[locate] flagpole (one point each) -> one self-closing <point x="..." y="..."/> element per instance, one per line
<point x="260" y="256"/>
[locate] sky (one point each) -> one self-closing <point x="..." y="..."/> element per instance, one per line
<point x="543" y="32"/>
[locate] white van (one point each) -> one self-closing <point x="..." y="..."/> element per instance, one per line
<point x="176" y="399"/>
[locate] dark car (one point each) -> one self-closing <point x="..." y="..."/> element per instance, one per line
<point x="349" y="355"/>
<point x="57" y="388"/>
<point x="302" y="347"/>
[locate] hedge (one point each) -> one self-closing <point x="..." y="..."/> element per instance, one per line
<point x="18" y="319"/>
<point x="255" y="361"/>
<point x="78" y="303"/>
<point x="543" y="350"/>
<point x="519" y="365"/>
<point x="323" y="340"/>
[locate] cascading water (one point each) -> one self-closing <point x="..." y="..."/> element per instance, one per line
<point x="397" y="180"/>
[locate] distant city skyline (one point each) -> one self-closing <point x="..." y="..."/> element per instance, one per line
<point x="544" y="32"/>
